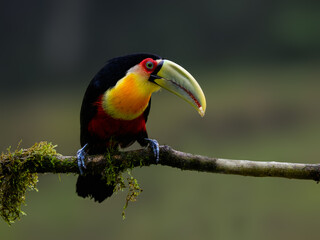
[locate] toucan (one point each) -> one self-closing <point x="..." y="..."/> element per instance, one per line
<point x="116" y="106"/>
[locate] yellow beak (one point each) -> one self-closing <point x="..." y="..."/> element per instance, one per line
<point x="179" y="81"/>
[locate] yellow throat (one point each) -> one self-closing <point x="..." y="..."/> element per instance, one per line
<point x="129" y="98"/>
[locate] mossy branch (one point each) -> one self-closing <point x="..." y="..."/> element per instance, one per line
<point x="46" y="162"/>
<point x="18" y="169"/>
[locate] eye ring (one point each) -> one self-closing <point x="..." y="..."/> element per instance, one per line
<point x="149" y="65"/>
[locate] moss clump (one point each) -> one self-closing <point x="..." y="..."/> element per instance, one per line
<point x="16" y="178"/>
<point x="114" y="174"/>
<point x="18" y="175"/>
<point x="133" y="192"/>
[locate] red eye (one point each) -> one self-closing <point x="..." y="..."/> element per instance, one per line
<point x="149" y="64"/>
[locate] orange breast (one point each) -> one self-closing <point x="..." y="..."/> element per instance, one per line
<point x="129" y="98"/>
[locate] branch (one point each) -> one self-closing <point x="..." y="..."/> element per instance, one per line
<point x="18" y="169"/>
<point x="47" y="162"/>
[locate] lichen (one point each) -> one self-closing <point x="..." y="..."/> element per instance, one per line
<point x="16" y="178"/>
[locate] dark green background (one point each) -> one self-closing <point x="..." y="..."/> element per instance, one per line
<point x="258" y="64"/>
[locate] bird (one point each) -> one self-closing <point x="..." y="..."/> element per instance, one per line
<point x="116" y="106"/>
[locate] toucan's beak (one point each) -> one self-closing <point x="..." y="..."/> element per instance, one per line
<point x="179" y="81"/>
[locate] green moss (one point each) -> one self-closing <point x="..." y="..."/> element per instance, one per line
<point x="18" y="175"/>
<point x="16" y="178"/>
<point x="134" y="191"/>
<point x="114" y="175"/>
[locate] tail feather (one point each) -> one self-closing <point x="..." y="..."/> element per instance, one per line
<point x="94" y="186"/>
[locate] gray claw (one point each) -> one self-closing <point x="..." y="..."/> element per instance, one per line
<point x="155" y="148"/>
<point x="81" y="156"/>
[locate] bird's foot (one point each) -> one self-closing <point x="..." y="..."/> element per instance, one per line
<point x="154" y="145"/>
<point x="81" y="156"/>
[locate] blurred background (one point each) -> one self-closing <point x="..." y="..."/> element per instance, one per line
<point x="258" y="64"/>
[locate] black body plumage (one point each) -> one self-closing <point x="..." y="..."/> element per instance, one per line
<point x="94" y="186"/>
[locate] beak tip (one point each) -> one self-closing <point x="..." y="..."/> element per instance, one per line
<point x="201" y="111"/>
